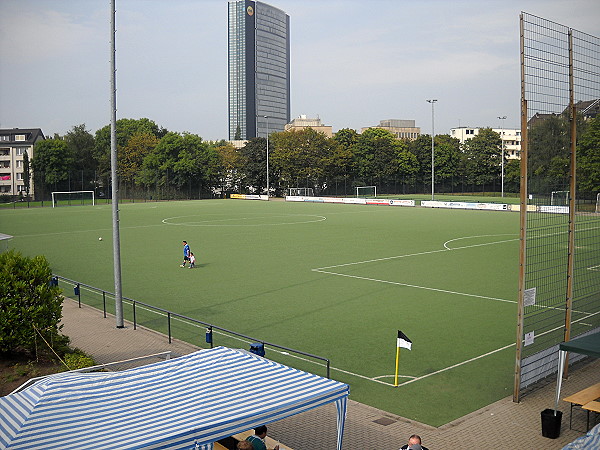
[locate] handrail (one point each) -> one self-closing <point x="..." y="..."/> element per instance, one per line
<point x="209" y="326"/>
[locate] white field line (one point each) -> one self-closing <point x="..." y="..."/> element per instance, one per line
<point x="415" y="286"/>
<point x="445" y="249"/>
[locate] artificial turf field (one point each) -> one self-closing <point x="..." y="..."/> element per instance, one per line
<point x="333" y="280"/>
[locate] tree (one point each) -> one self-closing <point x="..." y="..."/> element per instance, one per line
<point x="126" y="128"/>
<point x="178" y="161"/>
<point x="238" y="133"/>
<point x="81" y="145"/>
<point x="448" y="160"/>
<point x="254" y="163"/>
<point x="483" y="155"/>
<point x="230" y="165"/>
<point x="588" y="158"/>
<point x="52" y="162"/>
<point x="375" y="155"/>
<point x="26" y="173"/>
<point x="512" y="175"/>
<point x="548" y="152"/>
<point x="28" y="303"/>
<point x="421" y="148"/>
<point x="301" y="157"/>
<point x="131" y="156"/>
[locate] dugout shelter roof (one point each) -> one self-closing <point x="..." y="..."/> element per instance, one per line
<point x="183" y="403"/>
<point x="586" y="345"/>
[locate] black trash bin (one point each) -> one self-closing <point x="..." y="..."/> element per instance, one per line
<point x="551" y="423"/>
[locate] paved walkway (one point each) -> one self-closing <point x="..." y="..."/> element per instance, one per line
<point x="501" y="424"/>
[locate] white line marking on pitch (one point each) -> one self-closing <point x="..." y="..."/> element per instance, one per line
<point x="415" y="286"/>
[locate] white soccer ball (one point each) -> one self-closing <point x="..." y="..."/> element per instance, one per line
<point x="99" y="238"/>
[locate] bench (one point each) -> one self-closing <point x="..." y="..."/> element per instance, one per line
<point x="591" y="406"/>
<point x="583" y="397"/>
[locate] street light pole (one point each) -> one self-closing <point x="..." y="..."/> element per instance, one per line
<point x="267" y="117"/>
<point x="432" y="147"/>
<point x="502" y="147"/>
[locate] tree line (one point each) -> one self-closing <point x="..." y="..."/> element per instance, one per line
<point x="157" y="163"/>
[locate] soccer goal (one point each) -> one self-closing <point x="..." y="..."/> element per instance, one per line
<point x="70" y="197"/>
<point x="301" y="192"/>
<point x="366" y="191"/>
<point x="559" y="198"/>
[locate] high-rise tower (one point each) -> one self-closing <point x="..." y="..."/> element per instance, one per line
<point x="259" y="69"/>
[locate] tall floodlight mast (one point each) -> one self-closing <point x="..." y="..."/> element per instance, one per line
<point x="432" y="146"/>
<point x="113" y="170"/>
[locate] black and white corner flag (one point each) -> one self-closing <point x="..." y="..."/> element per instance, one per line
<point x="403" y="341"/>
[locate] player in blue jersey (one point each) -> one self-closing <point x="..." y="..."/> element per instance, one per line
<point x="186" y="253"/>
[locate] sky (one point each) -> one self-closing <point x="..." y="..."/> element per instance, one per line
<point x="353" y="63"/>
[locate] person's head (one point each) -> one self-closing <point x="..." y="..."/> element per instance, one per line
<point x="184" y="242"/>
<point x="192" y="253"/>
<point x="244" y="445"/>
<point x="261" y="431"/>
<point x="415" y="439"/>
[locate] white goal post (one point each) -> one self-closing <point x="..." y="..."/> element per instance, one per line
<point x="559" y="198"/>
<point x="68" y="196"/>
<point x="366" y="191"/>
<point x="598" y="202"/>
<point x="301" y="192"/>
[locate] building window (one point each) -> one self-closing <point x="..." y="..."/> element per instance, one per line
<point x="19" y="176"/>
<point x="4" y="138"/>
<point x="19" y="137"/>
<point x="21" y="188"/>
<point x="20" y="151"/>
<point x="19" y="164"/>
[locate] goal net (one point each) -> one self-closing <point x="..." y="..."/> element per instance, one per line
<point x="73" y="198"/>
<point x="301" y="192"/>
<point x="559" y="198"/>
<point x="366" y="191"/>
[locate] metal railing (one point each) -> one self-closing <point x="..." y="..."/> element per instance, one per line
<point x="210" y="329"/>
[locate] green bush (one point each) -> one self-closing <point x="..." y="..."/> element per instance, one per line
<point x="78" y="360"/>
<point x="27" y="302"/>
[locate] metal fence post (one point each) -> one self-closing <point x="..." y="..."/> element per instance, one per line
<point x="169" y="325"/>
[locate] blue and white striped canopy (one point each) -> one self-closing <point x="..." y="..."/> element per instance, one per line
<point x="182" y="403"/>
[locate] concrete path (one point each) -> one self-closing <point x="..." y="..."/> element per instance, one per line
<point x="503" y="424"/>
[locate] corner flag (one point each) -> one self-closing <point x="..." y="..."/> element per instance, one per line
<point x="403" y="341"/>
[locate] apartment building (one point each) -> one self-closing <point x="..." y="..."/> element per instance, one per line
<point x="14" y="143"/>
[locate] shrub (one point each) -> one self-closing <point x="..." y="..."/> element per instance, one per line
<point x="27" y="302"/>
<point x="78" y="360"/>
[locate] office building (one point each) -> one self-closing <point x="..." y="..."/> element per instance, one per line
<point x="259" y="69"/>
<point x="303" y="122"/>
<point x="402" y="129"/>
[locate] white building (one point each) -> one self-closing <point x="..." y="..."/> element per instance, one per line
<point x="14" y="143"/>
<point x="511" y="138"/>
